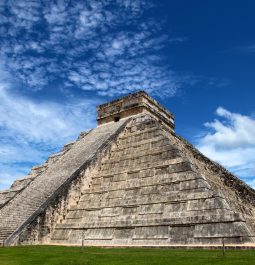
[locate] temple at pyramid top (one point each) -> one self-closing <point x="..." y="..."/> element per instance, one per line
<point x="133" y="104"/>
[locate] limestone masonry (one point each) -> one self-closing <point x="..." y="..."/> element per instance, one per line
<point x="130" y="181"/>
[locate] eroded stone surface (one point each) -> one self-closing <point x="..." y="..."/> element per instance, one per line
<point x="148" y="192"/>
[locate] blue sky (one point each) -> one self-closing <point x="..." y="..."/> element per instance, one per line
<point x="59" y="59"/>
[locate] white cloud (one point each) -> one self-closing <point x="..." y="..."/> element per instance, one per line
<point x="101" y="47"/>
<point x="47" y="41"/>
<point x="42" y="121"/>
<point x="231" y="142"/>
<point x="236" y="130"/>
<point x="31" y="130"/>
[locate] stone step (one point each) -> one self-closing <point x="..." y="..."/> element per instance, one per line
<point x="143" y="234"/>
<point x="6" y="229"/>
<point x="125" y="183"/>
<point x="142" y="161"/>
<point x="138" y="222"/>
<point x="142" y="145"/>
<point x="162" y="211"/>
<point x="137" y="133"/>
<point x="142" y="169"/>
<point x="173" y="197"/>
<point x="140" y="149"/>
<point x="136" y="139"/>
<point x="4" y="236"/>
<point x="156" y="191"/>
<point x="172" y="165"/>
<point x="117" y="157"/>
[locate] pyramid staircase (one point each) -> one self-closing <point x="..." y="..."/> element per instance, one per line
<point x="33" y="199"/>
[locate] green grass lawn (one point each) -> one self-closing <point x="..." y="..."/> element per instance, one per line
<point x="55" y="255"/>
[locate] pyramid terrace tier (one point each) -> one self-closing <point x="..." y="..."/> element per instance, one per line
<point x="146" y="191"/>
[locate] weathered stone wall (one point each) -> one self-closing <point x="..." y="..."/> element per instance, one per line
<point x="238" y="194"/>
<point x="148" y="192"/>
<point x="41" y="229"/>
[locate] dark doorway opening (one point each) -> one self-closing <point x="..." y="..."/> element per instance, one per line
<point x="117" y="118"/>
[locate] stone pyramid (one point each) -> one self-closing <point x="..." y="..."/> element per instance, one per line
<point x="129" y="182"/>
